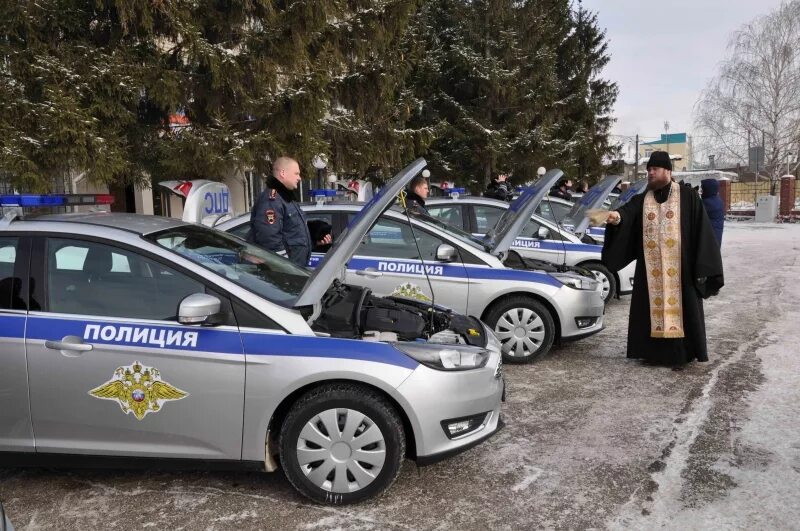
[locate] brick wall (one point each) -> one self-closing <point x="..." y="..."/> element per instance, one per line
<point x="787" y="195"/>
<point x="725" y="194"/>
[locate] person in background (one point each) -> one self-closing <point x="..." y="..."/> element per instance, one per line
<point x="714" y="206"/>
<point x="582" y="187"/>
<point x="416" y="194"/>
<point x="562" y="189"/>
<point x="678" y="264"/>
<point x="277" y="222"/>
<point x="499" y="188"/>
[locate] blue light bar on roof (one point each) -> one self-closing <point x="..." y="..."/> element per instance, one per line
<point x="54" y="200"/>
<point x="322" y="193"/>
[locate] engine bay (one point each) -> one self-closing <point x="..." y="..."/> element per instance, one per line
<point x="514" y="260"/>
<point x="353" y="312"/>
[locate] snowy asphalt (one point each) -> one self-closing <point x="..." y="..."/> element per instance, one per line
<point x="593" y="440"/>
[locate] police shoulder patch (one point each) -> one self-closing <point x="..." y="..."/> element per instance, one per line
<point x="269" y="215"/>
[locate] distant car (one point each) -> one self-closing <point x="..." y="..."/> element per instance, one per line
<point x="140" y="336"/>
<point x="527" y="303"/>
<point x="539" y="239"/>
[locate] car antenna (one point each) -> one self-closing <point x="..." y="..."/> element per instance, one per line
<point x="560" y="236"/>
<point x="402" y="196"/>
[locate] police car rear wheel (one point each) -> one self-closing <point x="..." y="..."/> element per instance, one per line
<point x="606" y="278"/>
<point x="524" y="327"/>
<point x="341" y="444"/>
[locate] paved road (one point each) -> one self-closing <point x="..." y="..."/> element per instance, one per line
<point x="593" y="440"/>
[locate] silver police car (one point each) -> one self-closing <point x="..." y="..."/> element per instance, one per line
<point x="539" y="239"/>
<point x="139" y="336"/>
<point x="528" y="304"/>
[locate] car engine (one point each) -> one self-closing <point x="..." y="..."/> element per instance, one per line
<point x="355" y="313"/>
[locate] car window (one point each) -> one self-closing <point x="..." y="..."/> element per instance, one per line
<point x="531" y="230"/>
<point x="72" y="257"/>
<point x="255" y="269"/>
<point x="553" y="210"/>
<point x="91" y="278"/>
<point x="392" y="239"/>
<point x="450" y="214"/>
<point x="487" y="217"/>
<point x="10" y="286"/>
<point x="242" y="231"/>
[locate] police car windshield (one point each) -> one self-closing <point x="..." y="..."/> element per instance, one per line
<point x="262" y="272"/>
<point x="465" y="237"/>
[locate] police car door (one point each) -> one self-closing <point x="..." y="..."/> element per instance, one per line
<point x="540" y="241"/>
<point x="111" y="370"/>
<point x="16" y="434"/>
<point x="388" y="261"/>
<point x="531" y="242"/>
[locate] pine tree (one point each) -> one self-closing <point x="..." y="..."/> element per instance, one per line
<point x="585" y="119"/>
<point x="94" y="86"/>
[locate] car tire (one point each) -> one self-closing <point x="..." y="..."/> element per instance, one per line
<point x="516" y="315"/>
<point x="342" y="444"/>
<point x="606" y="277"/>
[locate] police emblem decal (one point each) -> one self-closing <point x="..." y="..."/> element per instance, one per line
<point x="138" y="390"/>
<point x="270" y="215"/>
<point x="410" y="291"/>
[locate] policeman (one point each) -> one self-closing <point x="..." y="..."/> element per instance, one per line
<point x="499" y="188"/>
<point x="416" y="194"/>
<point x="278" y="223"/>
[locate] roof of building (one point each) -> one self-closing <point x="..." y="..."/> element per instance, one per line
<point x="672" y="138"/>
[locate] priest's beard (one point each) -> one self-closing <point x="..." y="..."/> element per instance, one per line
<point x="657" y="183"/>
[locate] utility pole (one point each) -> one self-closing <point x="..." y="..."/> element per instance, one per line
<point x="636" y="154"/>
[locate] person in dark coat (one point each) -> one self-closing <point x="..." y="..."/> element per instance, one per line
<point x="562" y="189"/>
<point x="416" y="194"/>
<point x="714" y="206"/>
<point x="678" y="264"/>
<point x="277" y="221"/>
<point x="499" y="188"/>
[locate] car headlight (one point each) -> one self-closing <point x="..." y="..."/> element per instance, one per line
<point x="492" y="343"/>
<point x="575" y="281"/>
<point x="445" y="358"/>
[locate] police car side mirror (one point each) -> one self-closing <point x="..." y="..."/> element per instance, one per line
<point x="543" y="233"/>
<point x="445" y="253"/>
<point x="197" y="308"/>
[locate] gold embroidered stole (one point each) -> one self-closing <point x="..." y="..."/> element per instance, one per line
<point x="661" y="233"/>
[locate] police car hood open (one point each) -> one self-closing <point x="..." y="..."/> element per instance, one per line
<point x="634" y="189"/>
<point x="502" y="235"/>
<point x="347" y="243"/>
<point x="592" y="199"/>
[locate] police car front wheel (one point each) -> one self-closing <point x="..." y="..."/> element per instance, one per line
<point x="342" y="444"/>
<point x="605" y="277"/>
<point x="524" y="327"/>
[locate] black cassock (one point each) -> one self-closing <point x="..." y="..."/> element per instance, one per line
<point x="701" y="277"/>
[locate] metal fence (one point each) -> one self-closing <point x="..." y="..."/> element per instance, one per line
<point x="744" y="195"/>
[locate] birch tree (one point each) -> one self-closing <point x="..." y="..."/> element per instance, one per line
<point x="756" y="95"/>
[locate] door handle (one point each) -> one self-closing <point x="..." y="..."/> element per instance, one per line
<point x="370" y="272"/>
<point x="74" y="343"/>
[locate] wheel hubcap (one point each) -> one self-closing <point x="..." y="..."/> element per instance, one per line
<point x="341" y="450"/>
<point x="604" y="282"/>
<point x="521" y="332"/>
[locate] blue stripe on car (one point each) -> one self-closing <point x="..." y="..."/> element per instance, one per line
<point x="207" y="339"/>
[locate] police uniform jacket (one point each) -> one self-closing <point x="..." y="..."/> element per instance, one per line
<point x="278" y="223"/>
<point x="415" y="204"/>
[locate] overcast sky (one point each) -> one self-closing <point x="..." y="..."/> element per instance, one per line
<point x="647" y="42"/>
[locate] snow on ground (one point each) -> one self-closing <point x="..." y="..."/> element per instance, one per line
<point x="593" y="440"/>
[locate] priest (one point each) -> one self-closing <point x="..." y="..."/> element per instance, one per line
<point x="678" y="264"/>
